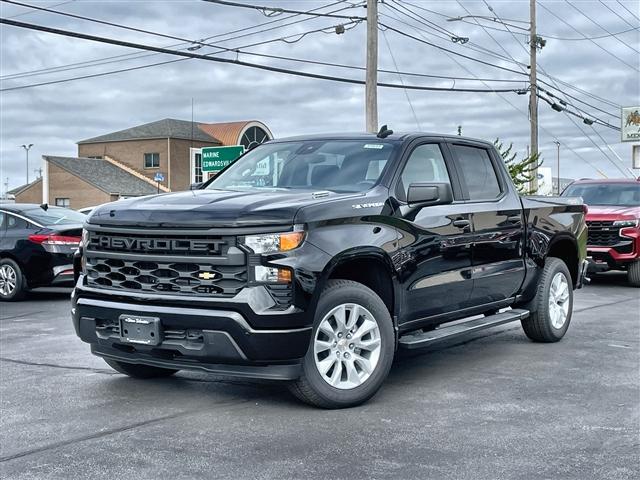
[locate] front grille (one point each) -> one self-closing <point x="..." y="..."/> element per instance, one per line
<point x="166" y="264"/>
<point x="602" y="234"/>
<point x="165" y="277"/>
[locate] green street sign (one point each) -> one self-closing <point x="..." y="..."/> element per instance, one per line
<point x="215" y="159"/>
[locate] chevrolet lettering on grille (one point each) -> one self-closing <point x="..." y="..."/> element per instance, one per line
<point x="156" y="245"/>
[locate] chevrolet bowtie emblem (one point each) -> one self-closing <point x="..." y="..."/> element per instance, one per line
<point x="206" y="275"/>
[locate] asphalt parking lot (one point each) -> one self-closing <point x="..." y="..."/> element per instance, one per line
<point x="495" y="407"/>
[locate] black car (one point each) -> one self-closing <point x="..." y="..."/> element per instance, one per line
<point x="37" y="243"/>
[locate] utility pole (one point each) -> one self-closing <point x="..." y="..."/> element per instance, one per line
<point x="533" y="95"/>
<point x="371" y="88"/>
<point x="26" y="149"/>
<point x="558" y="160"/>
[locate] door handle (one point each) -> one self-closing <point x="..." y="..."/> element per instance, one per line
<point x="514" y="219"/>
<point x="461" y="223"/>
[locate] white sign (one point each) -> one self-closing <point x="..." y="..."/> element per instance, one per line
<point x="545" y="181"/>
<point x="158" y="177"/>
<point x="631" y="124"/>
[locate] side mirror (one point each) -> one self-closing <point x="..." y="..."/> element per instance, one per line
<point x="433" y="193"/>
<point x="196" y="186"/>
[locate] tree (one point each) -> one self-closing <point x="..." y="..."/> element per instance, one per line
<point x="521" y="171"/>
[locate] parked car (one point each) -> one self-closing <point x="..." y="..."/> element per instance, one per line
<point x="313" y="259"/>
<point x="614" y="224"/>
<point x="37" y="243"/>
<point x="86" y="210"/>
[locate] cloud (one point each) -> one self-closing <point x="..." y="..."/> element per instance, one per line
<point x="55" y="117"/>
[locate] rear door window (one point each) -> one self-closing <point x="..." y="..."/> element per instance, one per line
<point x="477" y="171"/>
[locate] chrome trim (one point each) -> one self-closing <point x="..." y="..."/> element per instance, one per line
<point x="197" y="230"/>
<point x="233" y="258"/>
<point x="235" y="316"/>
<point x="61" y="268"/>
<point x="244" y="297"/>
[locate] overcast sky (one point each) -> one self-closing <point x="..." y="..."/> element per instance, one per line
<point x="54" y="117"/>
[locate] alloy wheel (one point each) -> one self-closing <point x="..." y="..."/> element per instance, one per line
<point x="8" y="280"/>
<point x="559" y="300"/>
<point x="347" y="346"/>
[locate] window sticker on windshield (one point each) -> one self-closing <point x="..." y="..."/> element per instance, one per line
<point x="375" y="146"/>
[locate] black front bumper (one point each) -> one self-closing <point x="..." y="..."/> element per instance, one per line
<point x="213" y="339"/>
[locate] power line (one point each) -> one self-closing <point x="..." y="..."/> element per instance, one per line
<point x="450" y="36"/>
<point x="564" y="110"/>
<point x="600" y="26"/>
<point x="238" y="50"/>
<point x="630" y="12"/>
<point x="448" y="50"/>
<point x="172" y="37"/>
<point x="542" y="69"/>
<point x="463" y="20"/>
<point x="633" y="27"/>
<point x="592" y="41"/>
<point x="393" y="58"/>
<point x="137" y="55"/>
<point x="278" y="11"/>
<point x="52" y="6"/>
<point x="122" y="43"/>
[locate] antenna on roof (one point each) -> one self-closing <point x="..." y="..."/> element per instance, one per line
<point x="384" y="132"/>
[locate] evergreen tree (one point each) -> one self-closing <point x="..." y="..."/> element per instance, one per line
<point x="521" y="171"/>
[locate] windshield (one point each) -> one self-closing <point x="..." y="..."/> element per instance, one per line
<point x="336" y="165"/>
<point x="55" y="216"/>
<point x="616" y="194"/>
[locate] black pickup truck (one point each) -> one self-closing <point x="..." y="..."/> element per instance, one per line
<point x="313" y="259"/>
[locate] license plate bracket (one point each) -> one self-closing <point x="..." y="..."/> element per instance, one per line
<point x="140" y="330"/>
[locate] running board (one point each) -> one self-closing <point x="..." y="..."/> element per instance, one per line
<point x="459" y="330"/>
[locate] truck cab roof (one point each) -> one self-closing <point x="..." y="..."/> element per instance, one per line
<point x="394" y="137"/>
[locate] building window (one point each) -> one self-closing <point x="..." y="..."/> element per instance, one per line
<point x="198" y="168"/>
<point x="63" y="202"/>
<point x="253" y="137"/>
<point x="95" y="157"/>
<point x="151" y="160"/>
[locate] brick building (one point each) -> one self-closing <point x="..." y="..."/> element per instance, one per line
<point x="124" y="163"/>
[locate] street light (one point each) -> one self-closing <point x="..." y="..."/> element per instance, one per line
<point x="26" y="149"/>
<point x="558" y="160"/>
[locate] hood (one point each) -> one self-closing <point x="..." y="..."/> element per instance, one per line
<point x="612" y="212"/>
<point x="209" y="208"/>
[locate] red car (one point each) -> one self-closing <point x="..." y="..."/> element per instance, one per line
<point x="614" y="224"/>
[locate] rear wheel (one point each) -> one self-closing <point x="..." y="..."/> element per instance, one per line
<point x="351" y="349"/>
<point x="139" y="371"/>
<point x="12" y="282"/>
<point x="553" y="304"/>
<point x="633" y="274"/>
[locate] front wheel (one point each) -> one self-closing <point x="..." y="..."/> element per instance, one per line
<point x="551" y="308"/>
<point x="633" y="274"/>
<point x="351" y="350"/>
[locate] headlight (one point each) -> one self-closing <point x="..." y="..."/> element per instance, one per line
<point x="626" y="223"/>
<point x="85" y="238"/>
<point x="274" y="242"/>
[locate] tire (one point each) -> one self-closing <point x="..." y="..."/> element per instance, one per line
<point x="547" y="323"/>
<point x="139" y="371"/>
<point x="633" y="274"/>
<point x="355" y="374"/>
<point x="12" y="282"/>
